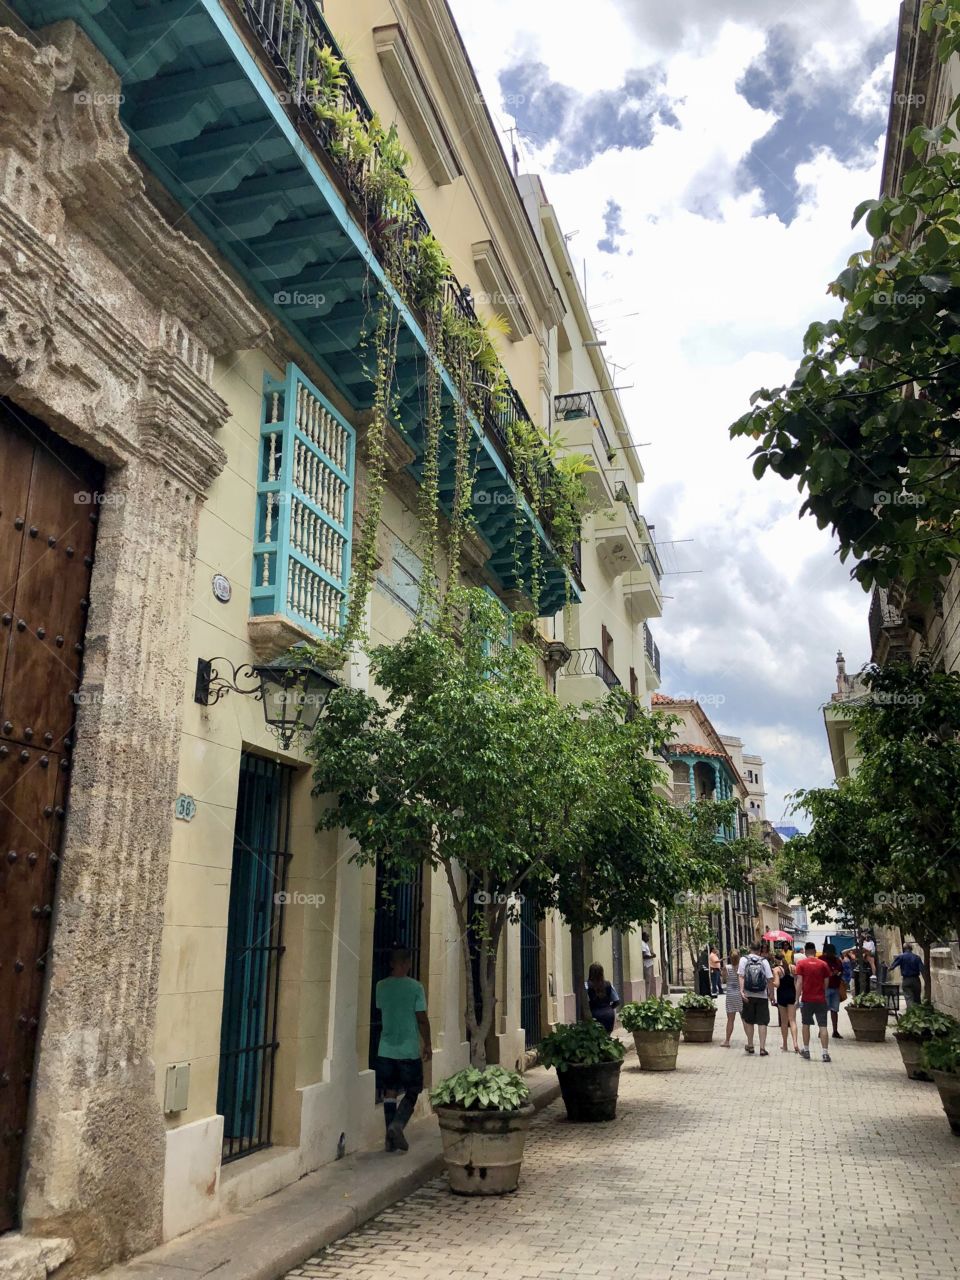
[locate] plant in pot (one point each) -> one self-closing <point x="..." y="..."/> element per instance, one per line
<point x="588" y="1062"/>
<point x="699" y="1015"/>
<point x="484" y="1114"/>
<point x="868" y="1016"/>
<point x="941" y="1057"/>
<point x="656" y="1025"/>
<point x="919" y="1025"/>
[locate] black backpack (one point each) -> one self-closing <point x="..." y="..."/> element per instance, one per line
<point x="754" y="979"/>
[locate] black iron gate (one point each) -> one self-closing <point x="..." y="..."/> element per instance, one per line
<point x="248" y="1036"/>
<point x="616" y="946"/>
<point x="396" y="923"/>
<point x="530" y="993"/>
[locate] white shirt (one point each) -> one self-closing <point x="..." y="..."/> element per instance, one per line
<point x="767" y="973"/>
<point x="869" y="945"/>
<point x="647" y="954"/>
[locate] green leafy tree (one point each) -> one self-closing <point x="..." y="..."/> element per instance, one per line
<point x="869" y="426"/>
<point x="468" y="764"/>
<point x="884" y="846"/>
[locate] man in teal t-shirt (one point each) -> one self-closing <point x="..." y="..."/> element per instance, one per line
<point x="402" y="1002"/>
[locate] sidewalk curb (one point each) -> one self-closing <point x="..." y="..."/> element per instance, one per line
<point x="278" y="1233"/>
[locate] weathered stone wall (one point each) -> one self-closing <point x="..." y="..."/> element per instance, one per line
<point x="945" y="980"/>
<point x="110" y="319"/>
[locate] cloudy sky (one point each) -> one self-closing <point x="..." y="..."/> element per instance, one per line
<point x="708" y="154"/>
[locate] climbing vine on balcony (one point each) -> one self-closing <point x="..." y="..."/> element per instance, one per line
<point x="372" y="163"/>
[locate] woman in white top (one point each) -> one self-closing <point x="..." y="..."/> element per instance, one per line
<point x="734" y="998"/>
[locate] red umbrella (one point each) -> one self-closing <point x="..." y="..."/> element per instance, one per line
<point x="777" y="935"/>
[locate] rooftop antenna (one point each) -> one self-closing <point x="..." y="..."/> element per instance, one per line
<point x="513" y="149"/>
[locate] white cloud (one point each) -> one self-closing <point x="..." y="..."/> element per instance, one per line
<point x="708" y="299"/>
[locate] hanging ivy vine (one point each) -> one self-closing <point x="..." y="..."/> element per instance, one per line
<point x="373" y="162"/>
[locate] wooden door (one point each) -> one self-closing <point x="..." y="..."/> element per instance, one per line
<point x="49" y="495"/>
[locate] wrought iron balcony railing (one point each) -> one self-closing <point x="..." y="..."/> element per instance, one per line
<point x="591" y="662"/>
<point x="622" y="494"/>
<point x="296" y="40"/>
<point x="651" y="649"/>
<point x="580" y="404"/>
<point x="882" y="614"/>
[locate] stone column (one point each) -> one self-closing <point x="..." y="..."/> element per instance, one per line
<point x="693" y="783"/>
<point x="96" y="1151"/>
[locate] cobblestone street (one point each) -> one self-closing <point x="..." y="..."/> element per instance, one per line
<point x="731" y="1165"/>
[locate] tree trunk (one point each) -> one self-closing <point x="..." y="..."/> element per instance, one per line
<point x="579" y="978"/>
<point x="927" y="976"/>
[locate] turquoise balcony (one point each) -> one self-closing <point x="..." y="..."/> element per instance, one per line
<point x="214" y="104"/>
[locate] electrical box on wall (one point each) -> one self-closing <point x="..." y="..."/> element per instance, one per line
<point x="176" y="1092"/>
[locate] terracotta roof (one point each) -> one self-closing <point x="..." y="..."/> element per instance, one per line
<point x="660" y="699"/>
<point x="694" y="749"/>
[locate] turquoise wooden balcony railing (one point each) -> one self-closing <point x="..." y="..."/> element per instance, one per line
<point x="216" y="104"/>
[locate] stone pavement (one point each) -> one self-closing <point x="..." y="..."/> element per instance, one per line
<point x="730" y="1166"/>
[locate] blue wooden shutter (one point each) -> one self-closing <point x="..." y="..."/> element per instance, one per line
<point x="305" y="481"/>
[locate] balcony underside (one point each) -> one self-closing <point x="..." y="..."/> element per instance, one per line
<point x="206" y="119"/>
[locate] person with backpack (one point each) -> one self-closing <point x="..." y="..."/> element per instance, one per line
<point x="756" y="988"/>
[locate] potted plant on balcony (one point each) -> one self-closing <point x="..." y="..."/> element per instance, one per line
<point x="484" y="1115"/>
<point x="656" y="1025"/>
<point x="699" y="1015"/>
<point x="868" y="1016"/>
<point x="941" y="1057"/>
<point x="587" y="1060"/>
<point x="919" y="1025"/>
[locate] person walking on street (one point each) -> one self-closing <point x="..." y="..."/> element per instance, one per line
<point x="603" y="996"/>
<point x="402" y="1002"/>
<point x="911" y="970"/>
<point x="786" y="995"/>
<point x="834" y="985"/>
<point x="734" y="998"/>
<point x="649" y="975"/>
<point x="756" y="988"/>
<point x="812" y="977"/>
<point x="716" y="981"/>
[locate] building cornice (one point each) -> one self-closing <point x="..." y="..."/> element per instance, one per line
<point x="435" y="28"/>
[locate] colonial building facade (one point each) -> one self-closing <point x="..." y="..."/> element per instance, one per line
<point x="185" y="395"/>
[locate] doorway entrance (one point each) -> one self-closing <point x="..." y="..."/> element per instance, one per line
<point x="48" y="518"/>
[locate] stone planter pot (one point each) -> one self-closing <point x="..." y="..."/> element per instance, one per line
<point x="698" y="1025"/>
<point x="868" y="1024"/>
<point x="910" y="1051"/>
<point x="657" y="1050"/>
<point x="948" y="1086"/>
<point x="590" y="1092"/>
<point x="482" y="1150"/>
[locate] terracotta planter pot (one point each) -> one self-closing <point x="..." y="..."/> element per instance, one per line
<point x="868" y="1024"/>
<point x="482" y="1150"/>
<point x="590" y="1092"/>
<point x="698" y="1025"/>
<point x="948" y="1086"/>
<point x="910" y="1051"/>
<point x="657" y="1050"/>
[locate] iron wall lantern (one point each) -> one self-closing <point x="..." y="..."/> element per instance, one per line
<point x="293" y="689"/>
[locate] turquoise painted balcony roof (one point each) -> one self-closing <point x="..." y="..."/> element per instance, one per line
<point x="204" y="106"/>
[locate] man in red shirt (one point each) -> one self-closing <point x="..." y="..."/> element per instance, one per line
<point x="812" y="978"/>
